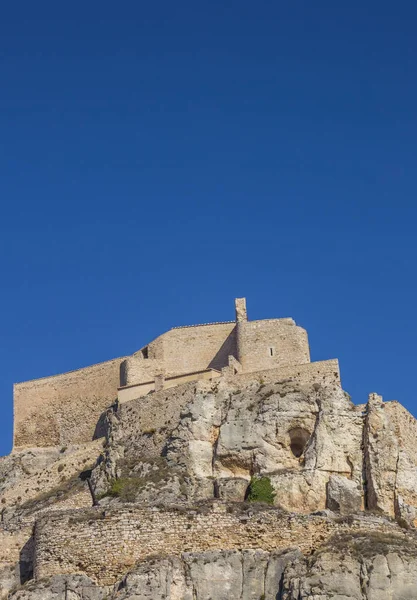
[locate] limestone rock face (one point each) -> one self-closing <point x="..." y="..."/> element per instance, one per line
<point x="362" y="569"/>
<point x="73" y="587"/>
<point x="343" y="495"/>
<point x="381" y="456"/>
<point x="208" y="440"/>
<point x="318" y="449"/>
<point x="298" y="436"/>
<point x="33" y="481"/>
<point x="232" y="488"/>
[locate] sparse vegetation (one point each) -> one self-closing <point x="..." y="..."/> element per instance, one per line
<point x="149" y="431"/>
<point x="371" y="543"/>
<point x="124" y="488"/>
<point x="58" y="493"/>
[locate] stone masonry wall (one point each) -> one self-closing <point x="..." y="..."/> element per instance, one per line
<point x="64" y="409"/>
<point x="325" y="372"/>
<point x="271" y="343"/>
<point x="132" y="392"/>
<point x="182" y="350"/>
<point x="258" y="345"/>
<point x="103" y="543"/>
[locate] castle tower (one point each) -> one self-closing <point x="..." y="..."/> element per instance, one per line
<point x="268" y="343"/>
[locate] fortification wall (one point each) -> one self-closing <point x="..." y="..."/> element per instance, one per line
<point x="132" y="392"/>
<point x="259" y="345"/>
<point x="325" y="372"/>
<point x="183" y="350"/>
<point x="16" y="558"/>
<point x="102" y="544"/>
<point x="64" y="409"/>
<point x="208" y="345"/>
<point x="271" y="343"/>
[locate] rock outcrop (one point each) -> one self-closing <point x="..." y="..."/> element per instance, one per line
<point x="365" y="568"/>
<point x="318" y="448"/>
<point x="325" y="458"/>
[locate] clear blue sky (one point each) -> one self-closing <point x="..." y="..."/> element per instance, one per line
<point x="158" y="159"/>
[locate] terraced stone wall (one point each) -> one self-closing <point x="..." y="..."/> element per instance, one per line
<point x="105" y="543"/>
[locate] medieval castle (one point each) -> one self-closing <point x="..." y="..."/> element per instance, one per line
<point x="174" y="443"/>
<point x="66" y="408"/>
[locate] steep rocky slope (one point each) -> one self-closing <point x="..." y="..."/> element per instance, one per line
<point x="199" y="442"/>
<point x="318" y="448"/>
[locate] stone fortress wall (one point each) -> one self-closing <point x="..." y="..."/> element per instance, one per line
<point x="182" y="350"/>
<point x="103" y="543"/>
<point x="271" y="343"/>
<point x="66" y="408"/>
<point x="256" y="345"/>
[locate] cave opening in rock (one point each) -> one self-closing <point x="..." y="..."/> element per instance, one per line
<point x="298" y="440"/>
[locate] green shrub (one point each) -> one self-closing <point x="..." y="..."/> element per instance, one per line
<point x="261" y="490"/>
<point x="124" y="488"/>
<point x="116" y="487"/>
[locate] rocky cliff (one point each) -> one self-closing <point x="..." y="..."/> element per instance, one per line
<point x="174" y="476"/>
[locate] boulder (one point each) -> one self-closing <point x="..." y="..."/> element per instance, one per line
<point x="343" y="495"/>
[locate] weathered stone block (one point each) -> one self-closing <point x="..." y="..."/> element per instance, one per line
<point x="343" y="495"/>
<point x="232" y="488"/>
